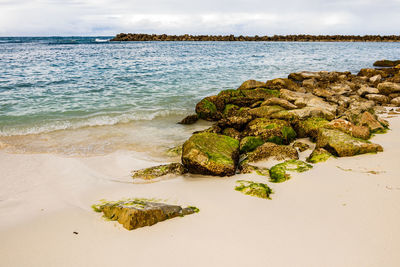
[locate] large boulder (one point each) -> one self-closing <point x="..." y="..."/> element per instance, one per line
<point x="272" y="151"/>
<point x="270" y="130"/>
<point x="386" y="63"/>
<point x="344" y="145"/>
<point x="387" y="88"/>
<point x="382" y="99"/>
<point x="158" y="171"/>
<point x="210" y="154"/>
<point x="309" y="127"/>
<point x="137" y="213"/>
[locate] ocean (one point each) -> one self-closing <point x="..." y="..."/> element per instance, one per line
<point x="89" y="96"/>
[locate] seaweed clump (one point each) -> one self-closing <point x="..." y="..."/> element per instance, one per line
<point x="278" y="173"/>
<point x="254" y="189"/>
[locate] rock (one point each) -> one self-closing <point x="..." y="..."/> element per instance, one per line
<point x="356" y="108"/>
<point x="254" y="189"/>
<point x="344" y="145"/>
<point x="349" y="128"/>
<point x="246" y="98"/>
<point x="276" y="131"/>
<point x="395" y="101"/>
<point x="137" y="213"/>
<point x="229" y="110"/>
<point x="210" y="154"/>
<point x="340" y="89"/>
<point x="231" y="132"/>
<point x="303" y="75"/>
<point x="244" y="168"/>
<point x="174" y="151"/>
<point x="376" y="78"/>
<point x="249" y="143"/>
<point x="364" y="90"/>
<point x="251" y="84"/>
<point x="369" y="121"/>
<point x="301" y="146"/>
<point x="280" y="83"/>
<point x="278" y="172"/>
<point x="272" y="151"/>
<point x="236" y="118"/>
<point x="319" y="155"/>
<point x="213" y="129"/>
<point x="309" y="83"/>
<point x="371" y="72"/>
<point x="207" y="110"/>
<point x="309" y="127"/>
<point x="322" y="92"/>
<point x="388" y="88"/>
<point x="274" y="101"/>
<point x="309" y="100"/>
<point x="189" y="119"/>
<point x="386" y="63"/>
<point x="265" y="111"/>
<point x="158" y="171"/>
<point x="303" y="113"/>
<point x="382" y="99"/>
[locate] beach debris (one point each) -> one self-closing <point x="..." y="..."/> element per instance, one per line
<point x="278" y="173"/>
<point x="318" y="155"/>
<point x="211" y="154"/>
<point x="135" y="213"/>
<point x="158" y="171"/>
<point x="254" y="189"/>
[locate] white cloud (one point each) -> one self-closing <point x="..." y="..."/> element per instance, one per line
<point x="108" y="17"/>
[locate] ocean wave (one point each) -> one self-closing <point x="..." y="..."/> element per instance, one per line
<point x="101" y="40"/>
<point x="95" y="121"/>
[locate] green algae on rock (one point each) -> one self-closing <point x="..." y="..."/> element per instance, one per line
<point x="271" y="130"/>
<point x="309" y="127"/>
<point x="318" y="155"/>
<point x="245" y="167"/>
<point x="137" y="213"/>
<point x="278" y="172"/>
<point x="254" y="189"/>
<point x="249" y="143"/>
<point x="211" y="154"/>
<point x="343" y="145"/>
<point x="301" y="146"/>
<point x="158" y="171"/>
<point x="174" y="151"/>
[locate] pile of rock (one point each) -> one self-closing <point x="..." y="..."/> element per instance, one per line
<point x="259" y="120"/>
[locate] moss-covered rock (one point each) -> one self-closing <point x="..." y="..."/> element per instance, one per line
<point x="270" y="130"/>
<point x="345" y="126"/>
<point x="278" y="173"/>
<point x="309" y="127"/>
<point x="174" y="151"/>
<point x="265" y="111"/>
<point x="137" y="213"/>
<point x="249" y="143"/>
<point x="319" y="155"/>
<point x="301" y="146"/>
<point x="229" y="108"/>
<point x="272" y="151"/>
<point x="254" y="189"/>
<point x="210" y="154"/>
<point x="282" y="83"/>
<point x="207" y="109"/>
<point x="386" y="63"/>
<point x="236" y="118"/>
<point x="231" y="132"/>
<point x="158" y="171"/>
<point x="343" y="145"/>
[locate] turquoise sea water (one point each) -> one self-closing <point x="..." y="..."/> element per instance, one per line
<point x="74" y="83"/>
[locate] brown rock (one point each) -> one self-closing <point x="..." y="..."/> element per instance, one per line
<point x="189" y="119"/>
<point x="272" y="151"/>
<point x="395" y="101"/>
<point x="388" y="88"/>
<point x="281" y="83"/>
<point x="279" y="102"/>
<point x="368" y="120"/>
<point x="349" y="128"/>
<point x="382" y="99"/>
<point x="251" y="84"/>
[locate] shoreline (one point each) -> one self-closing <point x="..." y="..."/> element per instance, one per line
<point x="329" y="216"/>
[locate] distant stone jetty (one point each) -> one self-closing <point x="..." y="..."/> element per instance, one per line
<point x="256" y="38"/>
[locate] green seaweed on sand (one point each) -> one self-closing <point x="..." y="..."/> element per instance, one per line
<point x="278" y="173"/>
<point x="254" y="189"/>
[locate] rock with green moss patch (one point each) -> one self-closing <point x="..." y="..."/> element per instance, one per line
<point x="309" y="127"/>
<point x="319" y="155"/>
<point x="229" y="108"/>
<point x="278" y="173"/>
<point x="282" y="83"/>
<point x="301" y="146"/>
<point x="265" y="111"/>
<point x="272" y="151"/>
<point x="254" y="189"/>
<point x="206" y="109"/>
<point x="236" y="118"/>
<point x="231" y="132"/>
<point x="174" y="151"/>
<point x="249" y="143"/>
<point x="343" y="145"/>
<point x="137" y="213"/>
<point x="210" y="154"/>
<point x="158" y="171"/>
<point x="270" y="130"/>
<point x="245" y="167"/>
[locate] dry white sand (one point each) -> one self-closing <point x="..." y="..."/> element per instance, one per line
<point x="338" y="214"/>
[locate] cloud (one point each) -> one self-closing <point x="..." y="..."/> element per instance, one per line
<point x="107" y="17"/>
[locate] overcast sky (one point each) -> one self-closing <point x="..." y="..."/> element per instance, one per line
<point x="246" y="17"/>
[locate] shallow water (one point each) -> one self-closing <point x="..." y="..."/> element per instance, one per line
<point x="82" y="95"/>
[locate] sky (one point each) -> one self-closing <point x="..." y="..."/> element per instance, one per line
<point x="239" y="17"/>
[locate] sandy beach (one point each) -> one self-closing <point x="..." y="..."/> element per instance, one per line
<point x="341" y="213"/>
